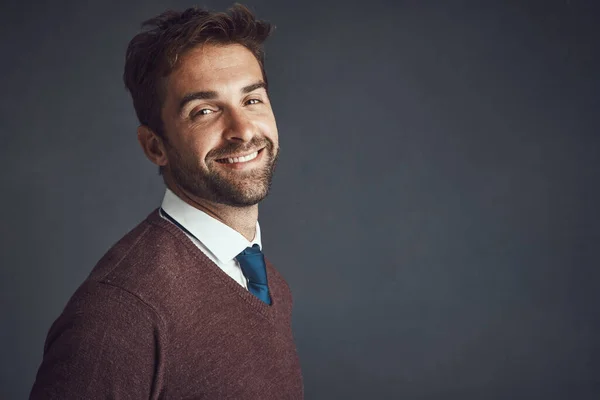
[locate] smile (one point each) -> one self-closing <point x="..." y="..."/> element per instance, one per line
<point x="239" y="159"/>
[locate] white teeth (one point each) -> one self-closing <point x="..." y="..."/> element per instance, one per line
<point x="249" y="157"/>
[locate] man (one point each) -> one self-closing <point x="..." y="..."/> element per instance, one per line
<point x="185" y="306"/>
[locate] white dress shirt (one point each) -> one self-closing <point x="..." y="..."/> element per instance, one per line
<point x="218" y="241"/>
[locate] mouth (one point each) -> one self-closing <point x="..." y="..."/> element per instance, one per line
<point x="239" y="159"/>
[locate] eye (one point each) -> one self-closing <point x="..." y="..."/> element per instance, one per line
<point x="204" y="111"/>
<point x="253" y="101"/>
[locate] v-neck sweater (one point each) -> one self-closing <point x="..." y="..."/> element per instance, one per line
<point x="156" y="318"/>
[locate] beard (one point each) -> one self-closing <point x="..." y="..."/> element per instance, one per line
<point x="216" y="184"/>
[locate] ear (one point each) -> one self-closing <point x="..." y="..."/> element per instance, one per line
<point x="152" y="145"/>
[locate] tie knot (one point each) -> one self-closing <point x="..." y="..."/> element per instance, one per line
<point x="252" y="262"/>
<point x="255" y="249"/>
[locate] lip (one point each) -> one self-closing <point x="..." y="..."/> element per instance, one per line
<point x="243" y="165"/>
<point x="240" y="155"/>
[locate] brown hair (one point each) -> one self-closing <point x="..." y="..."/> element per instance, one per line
<point x="153" y="53"/>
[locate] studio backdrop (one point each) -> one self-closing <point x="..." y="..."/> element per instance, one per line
<point x="434" y="209"/>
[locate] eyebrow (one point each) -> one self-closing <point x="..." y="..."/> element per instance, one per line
<point x="211" y="95"/>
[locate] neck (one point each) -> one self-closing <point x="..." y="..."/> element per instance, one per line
<point x="242" y="219"/>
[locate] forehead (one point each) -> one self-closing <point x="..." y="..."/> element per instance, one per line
<point x="213" y="67"/>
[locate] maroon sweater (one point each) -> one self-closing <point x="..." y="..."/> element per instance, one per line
<point x="157" y="319"/>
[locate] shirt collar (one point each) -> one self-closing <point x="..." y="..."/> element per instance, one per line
<point x="220" y="239"/>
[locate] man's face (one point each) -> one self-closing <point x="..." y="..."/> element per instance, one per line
<point x="216" y="108"/>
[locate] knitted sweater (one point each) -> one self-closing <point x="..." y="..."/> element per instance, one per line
<point x="157" y="319"/>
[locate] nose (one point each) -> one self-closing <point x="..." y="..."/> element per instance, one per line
<point x="239" y="127"/>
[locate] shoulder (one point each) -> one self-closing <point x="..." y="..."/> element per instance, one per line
<point x="146" y="260"/>
<point x="107" y="306"/>
<point x="105" y="343"/>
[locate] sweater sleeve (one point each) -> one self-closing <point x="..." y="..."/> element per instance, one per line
<point x="105" y="344"/>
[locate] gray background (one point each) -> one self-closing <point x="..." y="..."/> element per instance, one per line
<point x="435" y="209"/>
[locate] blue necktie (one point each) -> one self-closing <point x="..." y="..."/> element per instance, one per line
<point x="252" y="262"/>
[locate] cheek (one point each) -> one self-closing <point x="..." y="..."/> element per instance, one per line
<point x="275" y="136"/>
<point x="269" y="127"/>
<point x="201" y="150"/>
<point x="190" y="153"/>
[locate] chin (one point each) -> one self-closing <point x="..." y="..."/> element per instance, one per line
<point x="243" y="199"/>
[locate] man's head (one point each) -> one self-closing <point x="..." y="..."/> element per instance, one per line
<point x="200" y="92"/>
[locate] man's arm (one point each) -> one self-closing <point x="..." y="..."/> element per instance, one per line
<point x="105" y="344"/>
